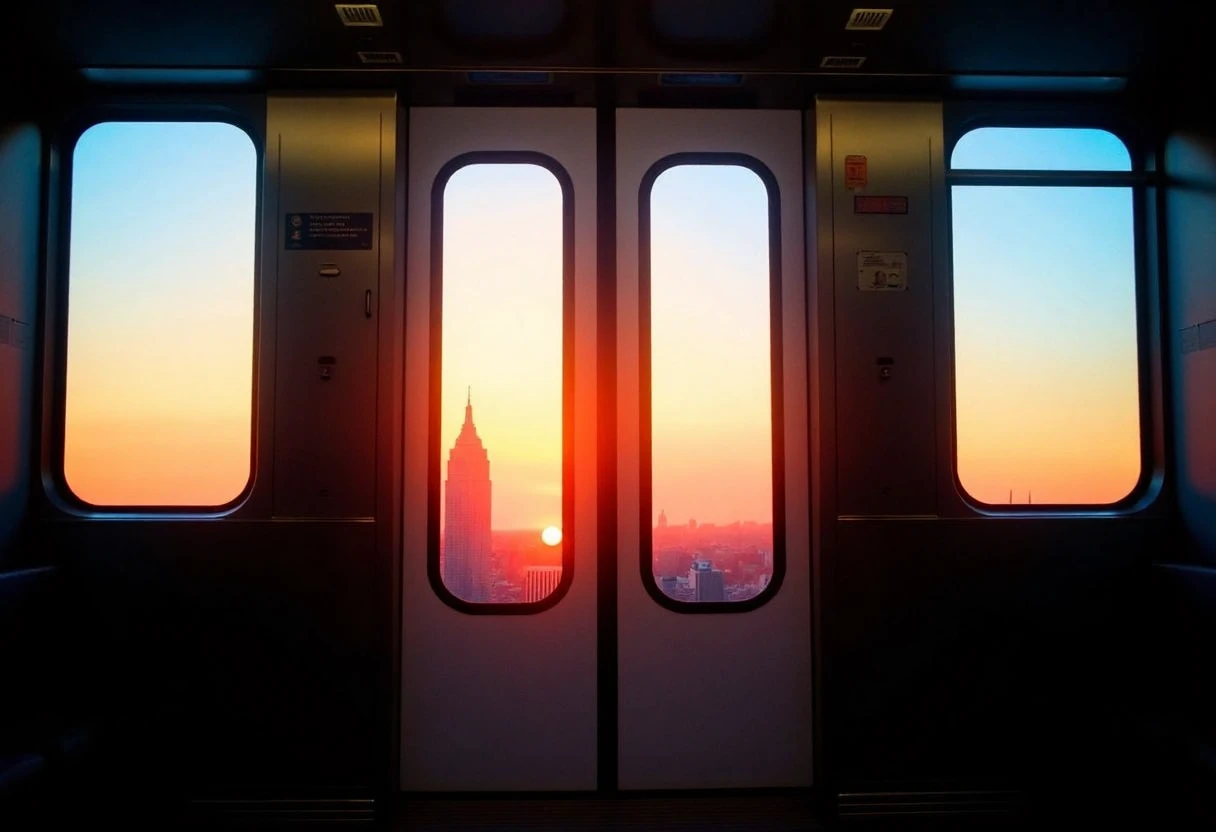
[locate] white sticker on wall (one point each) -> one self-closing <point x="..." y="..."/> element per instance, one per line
<point x="882" y="271"/>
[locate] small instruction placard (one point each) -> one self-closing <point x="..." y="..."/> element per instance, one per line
<point x="882" y="271"/>
<point x="880" y="204"/>
<point x="14" y="333"/>
<point x="329" y="231"/>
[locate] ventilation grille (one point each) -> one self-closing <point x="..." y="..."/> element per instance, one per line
<point x="380" y="57"/>
<point x="870" y="20"/>
<point x="841" y="62"/>
<point x="359" y="14"/>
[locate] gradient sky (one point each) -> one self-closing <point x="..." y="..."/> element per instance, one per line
<point x="159" y="370"/>
<point x="160" y="314"/>
<point x="502" y="333"/>
<point x="1047" y="388"/>
<point x="711" y="398"/>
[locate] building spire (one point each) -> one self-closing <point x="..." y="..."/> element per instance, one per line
<point x="468" y="431"/>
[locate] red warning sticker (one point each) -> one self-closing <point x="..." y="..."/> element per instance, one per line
<point x="856" y="172"/>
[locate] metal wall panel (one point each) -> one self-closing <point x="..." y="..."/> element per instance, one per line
<point x="1190" y="218"/>
<point x="264" y="644"/>
<point x="21" y="175"/>
<point x="256" y="653"/>
<point x="963" y="649"/>
<point x="327" y="154"/>
<point x="886" y="428"/>
<point x="714" y="700"/>
<point x="492" y="702"/>
<point x="955" y="646"/>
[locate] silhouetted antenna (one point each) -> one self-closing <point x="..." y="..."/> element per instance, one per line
<point x="1011" y="496"/>
<point x="1029" y="501"/>
<point x="468" y="401"/>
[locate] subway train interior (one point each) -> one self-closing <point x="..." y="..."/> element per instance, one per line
<point x="593" y="414"/>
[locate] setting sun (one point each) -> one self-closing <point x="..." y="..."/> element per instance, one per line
<point x="551" y="536"/>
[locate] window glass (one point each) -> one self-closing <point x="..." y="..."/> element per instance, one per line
<point x="159" y="388"/>
<point x="1040" y="148"/>
<point x="501" y="390"/>
<point x="1046" y="349"/>
<point x="711" y="402"/>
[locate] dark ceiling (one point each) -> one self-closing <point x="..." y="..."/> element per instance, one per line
<point x="761" y="38"/>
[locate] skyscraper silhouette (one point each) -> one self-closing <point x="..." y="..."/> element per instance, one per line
<point x="466" y="515"/>
<point x="540" y="581"/>
<point x="707" y="581"/>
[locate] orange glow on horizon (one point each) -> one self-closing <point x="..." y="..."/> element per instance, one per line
<point x="711" y="396"/>
<point x="502" y="334"/>
<point x="159" y="387"/>
<point x="1046" y="364"/>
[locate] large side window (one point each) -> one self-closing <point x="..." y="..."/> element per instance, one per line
<point x="502" y="259"/>
<point x="158" y="397"/>
<point x="1047" y="373"/>
<point x="711" y="370"/>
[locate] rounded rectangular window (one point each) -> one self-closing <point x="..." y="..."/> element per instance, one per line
<point x="158" y="396"/>
<point x="502" y="260"/>
<point x="710" y="290"/>
<point x="1047" y="374"/>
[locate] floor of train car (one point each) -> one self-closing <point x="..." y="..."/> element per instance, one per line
<point x="712" y="813"/>
<point x="778" y="814"/>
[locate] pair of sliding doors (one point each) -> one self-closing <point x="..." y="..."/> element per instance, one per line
<point x="521" y="670"/>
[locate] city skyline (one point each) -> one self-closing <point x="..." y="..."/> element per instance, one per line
<point x="480" y="564"/>
<point x="696" y="562"/>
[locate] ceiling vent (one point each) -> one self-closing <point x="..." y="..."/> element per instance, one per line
<point x="841" y="62"/>
<point x="381" y="58"/>
<point x="868" y="20"/>
<point x="359" y="14"/>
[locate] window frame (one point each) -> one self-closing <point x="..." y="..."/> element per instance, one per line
<point x="1140" y="180"/>
<point x="58" y="270"/>
<point x="434" y="447"/>
<point x="776" y="382"/>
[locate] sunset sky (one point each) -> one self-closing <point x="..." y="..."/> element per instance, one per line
<point x="161" y="282"/>
<point x="711" y="396"/>
<point x="1045" y="324"/>
<point x="160" y="304"/>
<point x="502" y="333"/>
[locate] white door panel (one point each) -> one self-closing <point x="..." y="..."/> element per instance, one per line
<point x="714" y="700"/>
<point x="498" y="702"/>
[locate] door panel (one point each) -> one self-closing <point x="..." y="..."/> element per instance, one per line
<point x="719" y="699"/>
<point x="494" y="701"/>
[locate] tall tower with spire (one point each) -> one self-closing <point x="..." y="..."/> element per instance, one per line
<point x="466" y="515"/>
